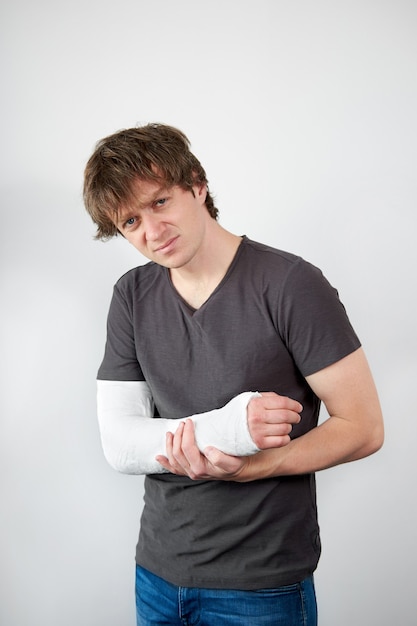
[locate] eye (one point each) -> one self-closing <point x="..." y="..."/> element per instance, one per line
<point x="160" y="202"/>
<point x="130" y="222"/>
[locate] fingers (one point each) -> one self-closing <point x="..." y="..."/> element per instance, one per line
<point x="272" y="401"/>
<point x="169" y="462"/>
<point x="185" y="459"/>
<point x="183" y="454"/>
<point x="175" y="450"/>
<point x="184" y="447"/>
<point x="273" y="409"/>
<point x="271" y="418"/>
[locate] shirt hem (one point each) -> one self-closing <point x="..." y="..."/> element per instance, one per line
<point x="237" y="584"/>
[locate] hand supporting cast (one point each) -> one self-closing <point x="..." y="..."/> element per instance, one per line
<point x="270" y="418"/>
<point x="132" y="439"/>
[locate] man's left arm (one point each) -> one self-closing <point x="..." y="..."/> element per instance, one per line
<point x="353" y="430"/>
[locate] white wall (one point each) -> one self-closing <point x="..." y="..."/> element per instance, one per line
<point x="304" y="115"/>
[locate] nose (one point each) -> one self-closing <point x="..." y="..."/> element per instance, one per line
<point x="153" y="227"/>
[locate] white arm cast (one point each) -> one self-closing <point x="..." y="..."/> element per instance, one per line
<point x="132" y="437"/>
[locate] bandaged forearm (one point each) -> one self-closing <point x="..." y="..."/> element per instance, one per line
<point x="132" y="437"/>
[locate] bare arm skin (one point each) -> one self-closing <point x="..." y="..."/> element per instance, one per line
<point x="353" y="430"/>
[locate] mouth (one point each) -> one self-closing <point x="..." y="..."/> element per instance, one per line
<point x="168" y="246"/>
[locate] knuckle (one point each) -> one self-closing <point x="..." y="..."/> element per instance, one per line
<point x="256" y="403"/>
<point x="194" y="474"/>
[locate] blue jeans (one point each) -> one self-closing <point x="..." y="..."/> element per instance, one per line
<point x="159" y="602"/>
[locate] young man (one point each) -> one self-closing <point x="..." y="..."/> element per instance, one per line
<point x="218" y="354"/>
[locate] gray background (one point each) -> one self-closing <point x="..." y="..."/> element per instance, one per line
<point x="304" y="115"/>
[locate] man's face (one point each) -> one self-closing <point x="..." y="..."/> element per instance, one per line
<point x="166" y="225"/>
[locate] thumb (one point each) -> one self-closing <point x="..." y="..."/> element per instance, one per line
<point x="217" y="458"/>
<point x="210" y="453"/>
<point x="222" y="462"/>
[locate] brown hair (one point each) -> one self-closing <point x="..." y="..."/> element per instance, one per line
<point x="154" y="152"/>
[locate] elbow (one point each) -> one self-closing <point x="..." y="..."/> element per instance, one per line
<point x="378" y="439"/>
<point x="112" y="460"/>
<point x="378" y="434"/>
<point x="374" y="440"/>
<point x="117" y="461"/>
<point x="123" y="461"/>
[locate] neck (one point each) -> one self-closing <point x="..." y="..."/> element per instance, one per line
<point x="198" y="280"/>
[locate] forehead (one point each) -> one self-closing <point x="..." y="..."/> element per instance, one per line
<point x="142" y="193"/>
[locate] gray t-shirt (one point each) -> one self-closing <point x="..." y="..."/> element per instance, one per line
<point x="272" y="320"/>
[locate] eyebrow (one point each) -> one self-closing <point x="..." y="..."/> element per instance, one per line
<point x="124" y="215"/>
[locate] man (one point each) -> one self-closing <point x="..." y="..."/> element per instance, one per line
<point x="218" y="354"/>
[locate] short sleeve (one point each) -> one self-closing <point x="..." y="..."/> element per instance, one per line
<point x="120" y="360"/>
<point x="313" y="320"/>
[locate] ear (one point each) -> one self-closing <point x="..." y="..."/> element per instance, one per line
<point x="200" y="191"/>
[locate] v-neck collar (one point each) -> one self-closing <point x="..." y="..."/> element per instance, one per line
<point x="193" y="311"/>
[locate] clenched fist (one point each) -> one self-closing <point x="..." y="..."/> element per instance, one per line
<point x="271" y="418"/>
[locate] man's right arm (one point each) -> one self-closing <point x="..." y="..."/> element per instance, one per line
<point x="132" y="438"/>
